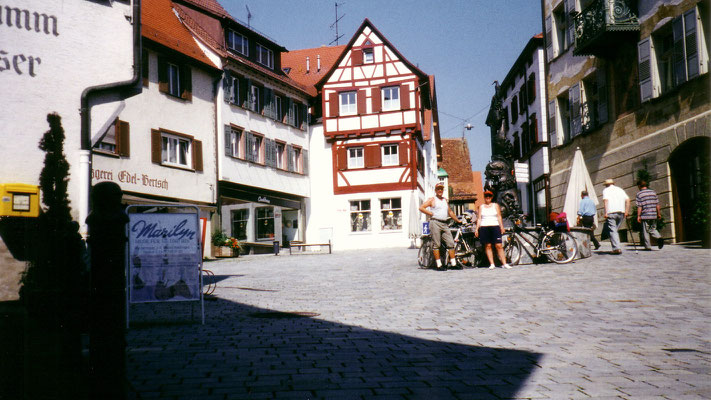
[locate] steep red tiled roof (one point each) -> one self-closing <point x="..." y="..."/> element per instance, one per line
<point x="161" y="25"/>
<point x="455" y="160"/>
<point x="296" y="60"/>
<point x="211" y="6"/>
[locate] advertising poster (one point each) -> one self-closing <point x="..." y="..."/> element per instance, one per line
<point x="164" y="257"/>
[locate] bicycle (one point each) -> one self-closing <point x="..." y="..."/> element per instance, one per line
<point x="466" y="253"/>
<point x="558" y="247"/>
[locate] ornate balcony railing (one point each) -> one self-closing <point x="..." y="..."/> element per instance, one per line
<point x="602" y="24"/>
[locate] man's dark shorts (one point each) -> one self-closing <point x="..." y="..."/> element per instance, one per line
<point x="490" y="234"/>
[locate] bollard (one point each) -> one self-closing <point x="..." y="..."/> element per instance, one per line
<point x="107" y="318"/>
<point x="276" y="247"/>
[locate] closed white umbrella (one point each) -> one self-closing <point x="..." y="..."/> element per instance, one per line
<point x="415" y="228"/>
<point x="579" y="180"/>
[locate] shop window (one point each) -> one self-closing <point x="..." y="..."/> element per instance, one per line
<point x="239" y="223"/>
<point x="391" y="210"/>
<point x="265" y="223"/>
<point x="360" y="216"/>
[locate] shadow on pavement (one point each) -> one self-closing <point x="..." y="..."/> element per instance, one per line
<point x="248" y="352"/>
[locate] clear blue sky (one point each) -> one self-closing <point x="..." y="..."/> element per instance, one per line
<point x="466" y="44"/>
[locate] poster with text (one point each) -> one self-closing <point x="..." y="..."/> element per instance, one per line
<point x="164" y="257"/>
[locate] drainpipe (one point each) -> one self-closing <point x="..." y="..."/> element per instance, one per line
<point x="85" y="113"/>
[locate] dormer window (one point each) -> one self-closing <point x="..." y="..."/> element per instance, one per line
<point x="237" y="42"/>
<point x="368" y="56"/>
<point x="265" y="56"/>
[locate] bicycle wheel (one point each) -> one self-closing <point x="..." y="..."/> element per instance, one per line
<point x="512" y="248"/>
<point x="559" y="247"/>
<point x="465" y="258"/>
<point x="424" y="255"/>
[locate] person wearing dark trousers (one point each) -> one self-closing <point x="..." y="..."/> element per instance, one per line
<point x="586" y="216"/>
<point x="648" y="212"/>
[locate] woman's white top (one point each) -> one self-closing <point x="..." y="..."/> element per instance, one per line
<point x="489" y="216"/>
<point x="440" y="209"/>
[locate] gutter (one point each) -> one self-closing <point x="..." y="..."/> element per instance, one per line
<point x="85" y="113"/>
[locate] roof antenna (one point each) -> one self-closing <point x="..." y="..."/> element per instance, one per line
<point x="336" y="24"/>
<point x="249" y="17"/>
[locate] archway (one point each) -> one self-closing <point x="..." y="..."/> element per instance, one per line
<point x="690" y="172"/>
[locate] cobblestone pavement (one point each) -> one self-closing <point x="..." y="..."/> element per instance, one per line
<point x="371" y="324"/>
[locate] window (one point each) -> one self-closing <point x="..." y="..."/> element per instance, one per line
<point x="255" y="103"/>
<point x="254" y="148"/>
<point x="531" y="88"/>
<point x="664" y="46"/>
<point x="116" y="139"/>
<point x="239" y="223"/>
<point x="564" y="112"/>
<point x="233" y="142"/>
<point x="295" y="112"/>
<point x="360" y="216"/>
<point x="593" y="101"/>
<point x="355" y="157"/>
<point x="348" y="105"/>
<point x="237" y="42"/>
<point x="265" y="56"/>
<point x="174" y="79"/>
<point x="390" y="155"/>
<point x="175" y="149"/>
<point x="280" y="147"/>
<point x="514" y="109"/>
<point x="391" y="98"/>
<point x="559" y="20"/>
<point x="294" y="154"/>
<point x="231" y="88"/>
<point x="368" y="56"/>
<point x="265" y="223"/>
<point x="278" y="113"/>
<point x="391" y="210"/>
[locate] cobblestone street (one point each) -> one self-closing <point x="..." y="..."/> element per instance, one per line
<point x="371" y="324"/>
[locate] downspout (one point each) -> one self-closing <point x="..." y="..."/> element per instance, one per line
<point x="546" y="179"/>
<point x="85" y="114"/>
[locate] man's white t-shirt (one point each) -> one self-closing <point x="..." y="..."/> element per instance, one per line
<point x="616" y="198"/>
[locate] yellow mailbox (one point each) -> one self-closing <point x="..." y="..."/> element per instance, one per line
<point x="19" y="200"/>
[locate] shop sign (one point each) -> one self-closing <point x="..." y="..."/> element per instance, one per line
<point x="134" y="178"/>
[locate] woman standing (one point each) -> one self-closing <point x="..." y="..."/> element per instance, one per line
<point x="489" y="228"/>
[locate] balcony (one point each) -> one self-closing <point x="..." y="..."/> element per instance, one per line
<point x="602" y="26"/>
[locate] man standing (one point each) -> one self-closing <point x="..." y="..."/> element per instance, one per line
<point x="440" y="212"/>
<point x="648" y="212"/>
<point x="586" y="216"/>
<point x="617" y="208"/>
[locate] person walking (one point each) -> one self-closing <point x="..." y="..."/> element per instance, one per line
<point x="438" y="209"/>
<point x="586" y="216"/>
<point x="489" y="228"/>
<point x="617" y="208"/>
<point x="648" y="212"/>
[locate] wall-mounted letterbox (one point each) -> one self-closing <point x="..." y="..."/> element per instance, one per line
<point x="19" y="200"/>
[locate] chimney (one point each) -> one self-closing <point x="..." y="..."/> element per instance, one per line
<point x="308" y="64"/>
<point x="318" y="63"/>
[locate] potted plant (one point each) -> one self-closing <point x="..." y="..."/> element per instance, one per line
<point x="219" y="244"/>
<point x="234" y="245"/>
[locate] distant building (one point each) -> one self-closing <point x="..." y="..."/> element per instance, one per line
<point x="374" y="144"/>
<point x="524" y="125"/>
<point x="628" y="84"/>
<point x="462" y="191"/>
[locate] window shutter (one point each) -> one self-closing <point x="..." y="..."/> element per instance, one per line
<point x="122" y="138"/>
<point x="341" y="158"/>
<point x="360" y="98"/>
<point x="692" y="45"/>
<point x="534" y="130"/>
<point x="522" y="99"/>
<point x="679" y="58"/>
<point x="372" y="156"/>
<point x="552" y="135"/>
<point x="356" y="57"/>
<point x="531" y="88"/>
<point x="197" y="155"/>
<point x="228" y="141"/>
<point x="514" y="109"/>
<point x="549" y="38"/>
<point x="376" y="99"/>
<point x="570" y="31"/>
<point x="228" y="88"/>
<point x="292" y="117"/>
<point x="602" y="95"/>
<point x="186" y="78"/>
<point x="303" y="115"/>
<point x="647" y="88"/>
<point x="144" y="67"/>
<point x="248" y="97"/>
<point x="162" y="74"/>
<point x="289" y="158"/>
<point x="270" y="153"/>
<point x="574" y="98"/>
<point x="333" y="104"/>
<point x="403" y="152"/>
<point x="404" y="96"/>
<point x="156" y="146"/>
<point x="304" y="161"/>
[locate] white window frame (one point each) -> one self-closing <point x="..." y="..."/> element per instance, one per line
<point x="386" y="207"/>
<point x="173" y="72"/>
<point x="389" y="154"/>
<point x="390" y="98"/>
<point x="171" y="146"/>
<point x="265" y="56"/>
<point x="243" y="47"/>
<point x="348" y="103"/>
<point x="296" y="159"/>
<point x="356" y="157"/>
<point x="254" y="98"/>
<point x="368" y="56"/>
<point x="236" y="142"/>
<point x="280" y="151"/>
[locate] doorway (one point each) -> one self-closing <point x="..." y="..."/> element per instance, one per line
<point x="290" y="226"/>
<point x="689" y="165"/>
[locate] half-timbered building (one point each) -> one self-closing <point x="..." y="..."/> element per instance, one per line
<point x="375" y="143"/>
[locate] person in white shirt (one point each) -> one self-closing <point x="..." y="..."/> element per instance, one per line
<point x="489" y="228"/>
<point x="439" y="212"/>
<point x="617" y="208"/>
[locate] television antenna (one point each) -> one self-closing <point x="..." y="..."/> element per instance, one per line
<point x="249" y="17"/>
<point x="335" y="24"/>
